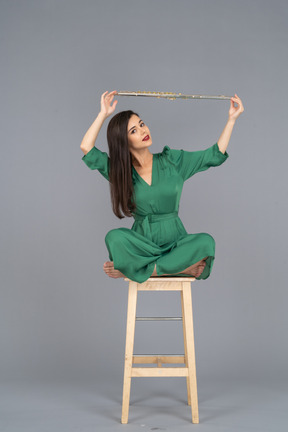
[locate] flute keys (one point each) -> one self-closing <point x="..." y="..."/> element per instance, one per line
<point x="170" y="95"/>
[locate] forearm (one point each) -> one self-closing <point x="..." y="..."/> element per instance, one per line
<point x="90" y="136"/>
<point x="225" y="135"/>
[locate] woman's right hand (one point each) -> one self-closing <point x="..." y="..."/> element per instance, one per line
<point x="106" y="108"/>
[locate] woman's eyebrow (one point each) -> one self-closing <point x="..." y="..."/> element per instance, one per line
<point x="134" y="126"/>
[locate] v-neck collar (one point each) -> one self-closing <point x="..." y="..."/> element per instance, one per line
<point x="152" y="174"/>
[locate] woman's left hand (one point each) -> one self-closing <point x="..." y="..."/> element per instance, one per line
<point x="234" y="112"/>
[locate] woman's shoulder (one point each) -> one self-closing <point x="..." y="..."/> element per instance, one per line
<point x="170" y="153"/>
<point x="170" y="157"/>
<point x="166" y="150"/>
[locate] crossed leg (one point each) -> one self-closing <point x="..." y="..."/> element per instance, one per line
<point x="194" y="270"/>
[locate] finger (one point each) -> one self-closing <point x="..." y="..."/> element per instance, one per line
<point x="236" y="100"/>
<point x="110" y="96"/>
<point x="103" y="96"/>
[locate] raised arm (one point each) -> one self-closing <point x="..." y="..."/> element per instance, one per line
<point x="234" y="113"/>
<point x="90" y="136"/>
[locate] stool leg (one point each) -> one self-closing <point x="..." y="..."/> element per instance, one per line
<point x="185" y="349"/>
<point x="130" y="331"/>
<point x="189" y="334"/>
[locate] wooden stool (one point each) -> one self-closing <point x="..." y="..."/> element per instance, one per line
<point x="182" y="284"/>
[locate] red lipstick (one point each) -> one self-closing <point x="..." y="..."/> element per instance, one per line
<point x="146" y="138"/>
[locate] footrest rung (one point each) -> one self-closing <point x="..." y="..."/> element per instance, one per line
<point x="159" y="372"/>
<point x="150" y="359"/>
<point x="158" y="318"/>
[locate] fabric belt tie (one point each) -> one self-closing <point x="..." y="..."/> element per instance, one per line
<point x="153" y="217"/>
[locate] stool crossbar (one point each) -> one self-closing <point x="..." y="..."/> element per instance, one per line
<point x="182" y="284"/>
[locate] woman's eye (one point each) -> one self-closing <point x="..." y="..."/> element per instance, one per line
<point x="134" y="130"/>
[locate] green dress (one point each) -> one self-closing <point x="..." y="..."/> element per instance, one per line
<point x="157" y="235"/>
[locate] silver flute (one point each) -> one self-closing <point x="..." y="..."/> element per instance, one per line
<point x="169" y="95"/>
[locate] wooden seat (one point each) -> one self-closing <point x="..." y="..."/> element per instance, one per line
<point x="182" y="284"/>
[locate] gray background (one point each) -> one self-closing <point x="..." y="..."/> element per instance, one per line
<point x="62" y="320"/>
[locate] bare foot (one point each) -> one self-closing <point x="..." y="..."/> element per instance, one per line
<point x="108" y="268"/>
<point x="194" y="270"/>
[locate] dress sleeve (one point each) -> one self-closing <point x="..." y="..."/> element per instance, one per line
<point x="96" y="159"/>
<point x="188" y="163"/>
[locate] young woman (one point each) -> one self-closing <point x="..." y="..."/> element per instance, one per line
<point x="148" y="187"/>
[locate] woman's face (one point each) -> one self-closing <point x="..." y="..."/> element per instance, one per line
<point x="138" y="133"/>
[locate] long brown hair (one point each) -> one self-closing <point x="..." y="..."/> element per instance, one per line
<point x="120" y="165"/>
